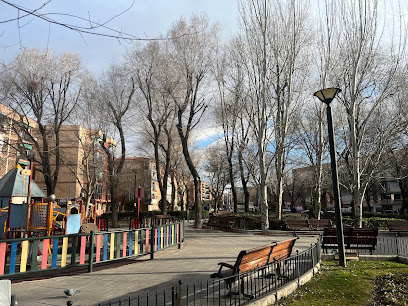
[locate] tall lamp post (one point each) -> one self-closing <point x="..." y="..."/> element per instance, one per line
<point x="326" y="96"/>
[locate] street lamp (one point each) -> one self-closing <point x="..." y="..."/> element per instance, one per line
<point x="326" y="96"/>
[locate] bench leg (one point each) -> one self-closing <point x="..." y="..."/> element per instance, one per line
<point x="248" y="296"/>
<point x="242" y="291"/>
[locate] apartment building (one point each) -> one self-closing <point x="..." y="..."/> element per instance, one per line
<point x="380" y="195"/>
<point x="205" y="193"/>
<point x="141" y="172"/>
<point x="14" y="140"/>
<point x="82" y="163"/>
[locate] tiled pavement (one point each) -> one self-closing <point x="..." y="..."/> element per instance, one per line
<point x="194" y="263"/>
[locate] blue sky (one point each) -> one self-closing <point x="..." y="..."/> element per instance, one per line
<point x="144" y="19"/>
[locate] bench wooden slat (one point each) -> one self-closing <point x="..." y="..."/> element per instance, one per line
<point x="255" y="258"/>
<point x="320" y="224"/>
<point x="283" y="249"/>
<point x="397" y="226"/>
<point x="354" y="238"/>
<point x="297" y="224"/>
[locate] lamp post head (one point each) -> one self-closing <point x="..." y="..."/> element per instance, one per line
<point x="327" y="95"/>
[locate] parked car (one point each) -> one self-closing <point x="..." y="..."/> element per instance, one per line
<point x="307" y="211"/>
<point x="389" y="211"/>
<point x="286" y="211"/>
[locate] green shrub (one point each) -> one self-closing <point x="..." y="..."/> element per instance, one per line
<point x="387" y="216"/>
<point x="191" y="214"/>
<point x="250" y="221"/>
<point x="275" y="224"/>
<point x="178" y="214"/>
<point x="379" y="221"/>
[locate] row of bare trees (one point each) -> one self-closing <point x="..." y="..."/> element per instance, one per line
<point x="259" y="87"/>
<point x="266" y="77"/>
<point x="164" y="82"/>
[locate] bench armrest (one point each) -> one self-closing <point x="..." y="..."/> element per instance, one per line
<point x="224" y="264"/>
<point x="218" y="274"/>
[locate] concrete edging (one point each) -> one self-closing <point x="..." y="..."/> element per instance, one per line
<point x="287" y="289"/>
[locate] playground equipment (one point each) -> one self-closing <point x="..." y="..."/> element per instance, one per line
<point x="27" y="214"/>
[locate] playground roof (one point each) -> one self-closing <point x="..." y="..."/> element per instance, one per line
<point x="14" y="184"/>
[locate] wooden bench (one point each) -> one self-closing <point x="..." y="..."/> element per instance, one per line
<point x="226" y="222"/>
<point x="397" y="226"/>
<point x="221" y="212"/>
<point x="256" y="258"/>
<point x="320" y="224"/>
<point x="363" y="238"/>
<point x="354" y="238"/>
<point x="297" y="224"/>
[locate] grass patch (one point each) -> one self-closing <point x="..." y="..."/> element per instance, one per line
<point x="361" y="283"/>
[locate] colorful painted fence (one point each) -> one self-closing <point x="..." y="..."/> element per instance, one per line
<point x="148" y="222"/>
<point x="56" y="252"/>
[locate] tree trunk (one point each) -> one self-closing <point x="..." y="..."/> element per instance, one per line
<point x="243" y="180"/>
<point x="194" y="173"/>
<point x="173" y="192"/>
<point x="403" y="184"/>
<point x="232" y="181"/>
<point x="279" y="186"/>
<point x="114" y="205"/>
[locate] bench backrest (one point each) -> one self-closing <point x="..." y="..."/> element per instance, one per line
<point x="330" y="235"/>
<point x="227" y="220"/>
<point x="212" y="219"/>
<point x="282" y="249"/>
<point x="397" y="223"/>
<point x="296" y="223"/>
<point x="364" y="236"/>
<point x="320" y="224"/>
<point x="252" y="259"/>
<point x="360" y="236"/>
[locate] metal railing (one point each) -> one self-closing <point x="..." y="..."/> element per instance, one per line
<point x="233" y="290"/>
<point x="46" y="253"/>
<point x="396" y="245"/>
<point x="242" y="288"/>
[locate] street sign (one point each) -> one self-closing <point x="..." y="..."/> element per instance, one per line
<point x="25" y="172"/>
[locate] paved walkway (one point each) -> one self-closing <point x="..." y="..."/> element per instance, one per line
<point x="193" y="263"/>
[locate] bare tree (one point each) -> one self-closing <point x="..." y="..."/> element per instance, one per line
<point x="367" y="70"/>
<point x="275" y="37"/>
<point x="154" y="82"/>
<point x="312" y="145"/>
<point x="46" y="88"/>
<point x="218" y="172"/>
<point x="86" y="130"/>
<point x="191" y="58"/>
<point x="226" y="113"/>
<point x="253" y="50"/>
<point x="117" y="95"/>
